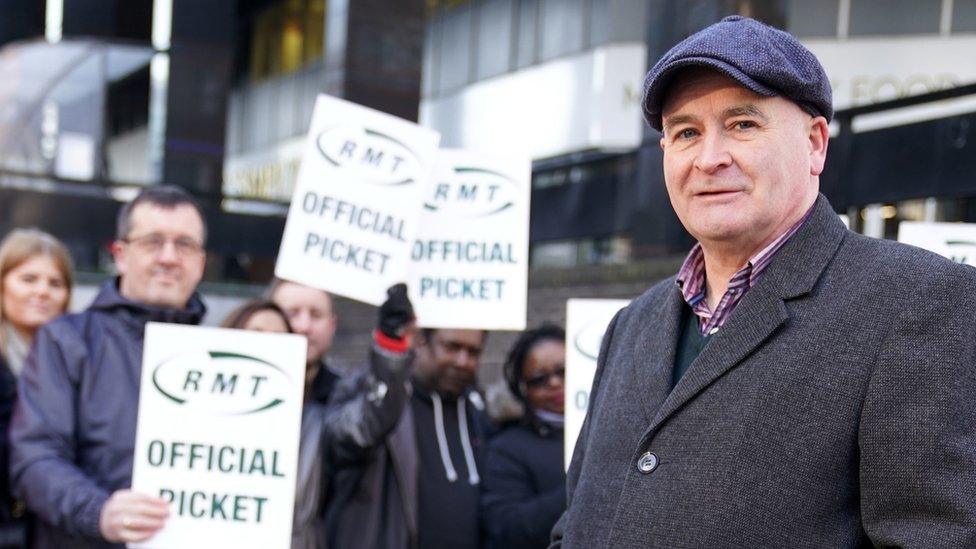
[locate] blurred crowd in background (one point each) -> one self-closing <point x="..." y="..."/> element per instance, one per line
<point x="421" y="463"/>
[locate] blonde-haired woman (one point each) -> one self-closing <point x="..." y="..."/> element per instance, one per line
<point x="35" y="288"/>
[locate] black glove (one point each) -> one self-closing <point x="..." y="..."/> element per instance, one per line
<point x="396" y="312"/>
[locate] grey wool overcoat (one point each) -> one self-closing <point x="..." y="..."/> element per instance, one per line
<point x="836" y="408"/>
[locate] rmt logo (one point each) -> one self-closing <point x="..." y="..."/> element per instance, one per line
<point x="472" y="193"/>
<point x="368" y="155"/>
<point x="221" y="382"/>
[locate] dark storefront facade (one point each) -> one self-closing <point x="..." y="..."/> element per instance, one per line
<point x="901" y="147"/>
<point x="105" y="96"/>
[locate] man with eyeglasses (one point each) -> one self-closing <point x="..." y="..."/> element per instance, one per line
<point x="73" y="430"/>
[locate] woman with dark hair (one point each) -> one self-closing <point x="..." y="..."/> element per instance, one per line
<point x="524" y="489"/>
<point x="260" y="315"/>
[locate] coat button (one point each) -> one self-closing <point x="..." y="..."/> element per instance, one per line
<point x="647" y="463"/>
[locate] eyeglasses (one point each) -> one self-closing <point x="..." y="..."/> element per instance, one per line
<point x="155" y="242"/>
<point x="544" y="379"/>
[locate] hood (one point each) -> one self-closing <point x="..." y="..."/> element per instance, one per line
<point x="420" y="390"/>
<point x="138" y="314"/>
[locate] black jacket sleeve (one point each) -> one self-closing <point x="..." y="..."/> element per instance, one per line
<point x="8" y="394"/>
<point x="365" y="407"/>
<point x="42" y="437"/>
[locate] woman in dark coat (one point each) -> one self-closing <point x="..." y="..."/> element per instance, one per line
<point x="524" y="489"/>
<point x="35" y="288"/>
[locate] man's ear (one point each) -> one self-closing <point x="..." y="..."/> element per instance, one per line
<point x="818" y="135"/>
<point x="203" y="261"/>
<point x="118" y="251"/>
<point x="420" y="340"/>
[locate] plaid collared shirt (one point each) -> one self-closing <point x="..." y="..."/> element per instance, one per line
<point x="691" y="281"/>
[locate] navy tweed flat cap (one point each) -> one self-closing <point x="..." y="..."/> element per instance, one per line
<point x="763" y="59"/>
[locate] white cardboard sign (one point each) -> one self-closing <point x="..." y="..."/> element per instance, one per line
<point x="219" y="421"/>
<point x="956" y="241"/>
<point x="357" y="200"/>
<point x="586" y="322"/>
<point x="470" y="257"/>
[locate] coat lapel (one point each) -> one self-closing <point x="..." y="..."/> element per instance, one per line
<point x="757" y="317"/>
<point x="656" y="349"/>
<point x="763" y="310"/>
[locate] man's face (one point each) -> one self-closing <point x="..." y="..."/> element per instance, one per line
<point x="161" y="260"/>
<point x="739" y="168"/>
<point x="309" y="311"/>
<point x="448" y="361"/>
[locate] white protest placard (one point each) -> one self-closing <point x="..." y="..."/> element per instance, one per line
<point x="956" y="241"/>
<point x="357" y="200"/>
<point x="586" y="322"/>
<point x="470" y="257"/>
<point x="219" y="420"/>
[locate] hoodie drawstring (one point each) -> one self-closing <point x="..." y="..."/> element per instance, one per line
<point x="445" y="450"/>
<point x="442" y="438"/>
<point x="473" y="478"/>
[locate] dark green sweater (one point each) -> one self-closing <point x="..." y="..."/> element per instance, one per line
<point x="690" y="344"/>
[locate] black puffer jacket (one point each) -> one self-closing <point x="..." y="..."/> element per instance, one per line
<point x="524" y="489"/>
<point x="12" y="528"/>
<point x="74" y="424"/>
<point x="372" y="410"/>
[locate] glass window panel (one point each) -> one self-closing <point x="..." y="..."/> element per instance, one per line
<point x="431" y="55"/>
<point x="809" y="19"/>
<point x="555" y="254"/>
<point x="494" y="37"/>
<point x="286" y="36"/>
<point x="314" y="30"/>
<point x="525" y="49"/>
<point x="292" y="44"/>
<point x="964" y="16"/>
<point x="599" y="22"/>
<point x="455" y="51"/>
<point x="562" y="27"/>
<point x="261" y="48"/>
<point x="874" y="17"/>
<point x="771" y="12"/>
<point x="627" y="20"/>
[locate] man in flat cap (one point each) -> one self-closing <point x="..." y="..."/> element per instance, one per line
<point x="795" y="384"/>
